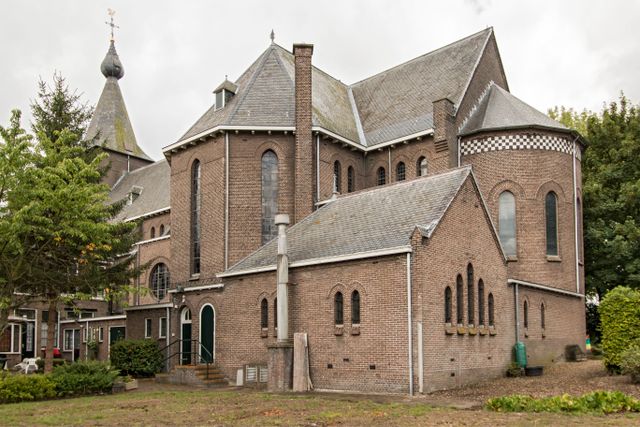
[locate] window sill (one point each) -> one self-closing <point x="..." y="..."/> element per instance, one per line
<point x="194" y="277"/>
<point x="264" y="333"/>
<point x="355" y="329"/>
<point x="449" y="329"/>
<point x="461" y="330"/>
<point x="554" y="258"/>
<point x="472" y="330"/>
<point x="492" y="330"/>
<point x="482" y="330"/>
<point x="512" y="258"/>
<point x="338" y="330"/>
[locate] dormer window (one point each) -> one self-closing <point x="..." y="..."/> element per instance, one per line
<point x="224" y="93"/>
<point x="134" y="193"/>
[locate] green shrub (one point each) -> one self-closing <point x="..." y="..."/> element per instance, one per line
<point x="630" y="361"/>
<point x="84" y="378"/>
<point x="620" y="324"/>
<point x="603" y="402"/>
<point x="18" y="388"/>
<point x="139" y="358"/>
<point x="56" y="362"/>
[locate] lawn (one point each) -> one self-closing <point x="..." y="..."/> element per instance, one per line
<point x="250" y="408"/>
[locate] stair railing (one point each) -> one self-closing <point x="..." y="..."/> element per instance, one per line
<point x="193" y="343"/>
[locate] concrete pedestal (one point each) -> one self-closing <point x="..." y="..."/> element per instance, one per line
<point x="280" y="367"/>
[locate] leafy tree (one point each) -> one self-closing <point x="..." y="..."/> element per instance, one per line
<point x="611" y="193"/>
<point x="57" y="215"/>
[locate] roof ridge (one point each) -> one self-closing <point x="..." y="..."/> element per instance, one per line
<point x="136" y="171"/>
<point x="447" y="46"/>
<point x="476" y="104"/>
<point x="475" y="67"/>
<point x="320" y="70"/>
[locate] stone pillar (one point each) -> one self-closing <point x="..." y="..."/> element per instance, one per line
<point x="304" y="168"/>
<point x="281" y="353"/>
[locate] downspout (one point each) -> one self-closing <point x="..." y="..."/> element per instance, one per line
<point x="86" y="342"/>
<point x="575" y="215"/>
<point x="167" y="336"/>
<point x="515" y="290"/>
<point x="137" y="278"/>
<point x="58" y="334"/>
<point x="317" y="167"/>
<point x="226" y="200"/>
<point x="459" y="153"/>
<point x="409" y="322"/>
<point x="420" y="359"/>
<point x="389" y="164"/>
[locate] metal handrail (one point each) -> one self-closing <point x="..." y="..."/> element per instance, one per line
<point x="180" y="352"/>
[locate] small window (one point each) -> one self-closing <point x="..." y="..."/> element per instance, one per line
<point x="447" y="305"/>
<point x="507" y="222"/>
<point x="269" y="199"/>
<point x="338" y="309"/>
<point x="542" y="319"/>
<point x="491" y="308"/>
<point x="147" y="328"/>
<point x="220" y="99"/>
<point x="421" y="167"/>
<point x="275" y="313"/>
<point x="381" y="176"/>
<point x="400" y="172"/>
<point x="355" y="308"/>
<point x="337" y="177"/>
<point x="525" y="314"/>
<point x="459" y="300"/>
<point x="159" y="280"/>
<point x="161" y="230"/>
<point x="195" y="217"/>
<point x="162" y="327"/>
<point x="68" y="340"/>
<point x="470" y="295"/>
<point x="551" y="216"/>
<point x="153" y="232"/>
<point x="481" y="302"/>
<point x="264" y="313"/>
<point x="85" y="334"/>
<point x="101" y="335"/>
<point x="351" y="180"/>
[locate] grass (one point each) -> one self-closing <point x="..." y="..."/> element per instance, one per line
<point x="250" y="408"/>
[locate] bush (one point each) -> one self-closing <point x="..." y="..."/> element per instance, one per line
<point x="84" y="378"/>
<point x="18" y="388"/>
<point x="139" y="358"/>
<point x="602" y="402"/>
<point x="56" y="362"/>
<point x="620" y="324"/>
<point x="630" y="361"/>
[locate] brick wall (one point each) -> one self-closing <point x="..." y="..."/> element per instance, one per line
<point x="117" y="166"/>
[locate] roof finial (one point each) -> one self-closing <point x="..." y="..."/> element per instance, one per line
<point x="273" y="37"/>
<point x="111" y="12"/>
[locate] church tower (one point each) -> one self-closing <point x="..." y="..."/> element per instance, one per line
<point x="110" y="126"/>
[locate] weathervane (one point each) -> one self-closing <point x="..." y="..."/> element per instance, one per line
<point x="272" y="36"/>
<point x="111" y="12"/>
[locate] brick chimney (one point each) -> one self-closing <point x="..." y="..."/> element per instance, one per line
<point x="444" y="129"/>
<point x="304" y="178"/>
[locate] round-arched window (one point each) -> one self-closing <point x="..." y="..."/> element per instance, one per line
<point x="159" y="282"/>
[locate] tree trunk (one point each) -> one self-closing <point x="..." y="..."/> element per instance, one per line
<point x="51" y="333"/>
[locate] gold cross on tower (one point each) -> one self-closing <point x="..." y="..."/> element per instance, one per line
<point x="111" y="12"/>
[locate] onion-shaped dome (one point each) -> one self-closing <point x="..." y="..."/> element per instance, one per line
<point x="111" y="65"/>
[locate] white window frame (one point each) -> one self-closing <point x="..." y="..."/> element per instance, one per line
<point x="85" y="335"/>
<point x="16" y="341"/>
<point x="64" y="340"/>
<point x="101" y="334"/>
<point x="160" y="334"/>
<point x="148" y="323"/>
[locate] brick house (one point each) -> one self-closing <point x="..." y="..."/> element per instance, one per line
<point x="435" y="221"/>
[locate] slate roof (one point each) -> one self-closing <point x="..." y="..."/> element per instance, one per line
<point x="110" y="121"/>
<point x="499" y="109"/>
<point x="153" y="181"/>
<point x="392" y="104"/>
<point x="372" y="220"/>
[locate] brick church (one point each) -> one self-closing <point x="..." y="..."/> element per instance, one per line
<point x="414" y="225"/>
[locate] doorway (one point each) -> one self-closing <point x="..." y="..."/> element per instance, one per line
<point x="185" y="336"/>
<point x="207" y="333"/>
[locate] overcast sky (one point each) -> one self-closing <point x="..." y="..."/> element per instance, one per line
<point x="574" y="53"/>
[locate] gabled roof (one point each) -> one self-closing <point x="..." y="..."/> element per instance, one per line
<point x="499" y="109"/>
<point x="392" y="104"/>
<point x="399" y="101"/>
<point x="110" y="121"/>
<point x="373" y="220"/>
<point x="152" y="185"/>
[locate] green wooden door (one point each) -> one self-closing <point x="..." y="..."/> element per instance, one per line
<point x="186" y="344"/>
<point x="207" y="326"/>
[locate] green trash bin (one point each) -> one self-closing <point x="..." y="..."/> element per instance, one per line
<point x="521" y="354"/>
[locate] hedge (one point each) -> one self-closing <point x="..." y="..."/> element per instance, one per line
<point x="601" y="402"/>
<point x="620" y="324"/>
<point x="138" y="358"/>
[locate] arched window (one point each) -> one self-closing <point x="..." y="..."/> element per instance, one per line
<point x="275" y="313"/>
<point x="542" y="319"/>
<point x="152" y="233"/>
<point x="351" y="179"/>
<point x="195" y="217"/>
<point x="337" y="177"/>
<point x="421" y="166"/>
<point x="264" y="313"/>
<point x="381" y="176"/>
<point x="159" y="280"/>
<point x="459" y="300"/>
<point x="338" y="313"/>
<point x="161" y="230"/>
<point x="507" y="222"/>
<point x="400" y="171"/>
<point x="551" y="217"/>
<point x="355" y="308"/>
<point x="525" y="314"/>
<point x="470" y="295"/>
<point x="481" y="302"/>
<point x="269" y="195"/>
<point x="491" y="308"/>
<point x="447" y="305"/>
